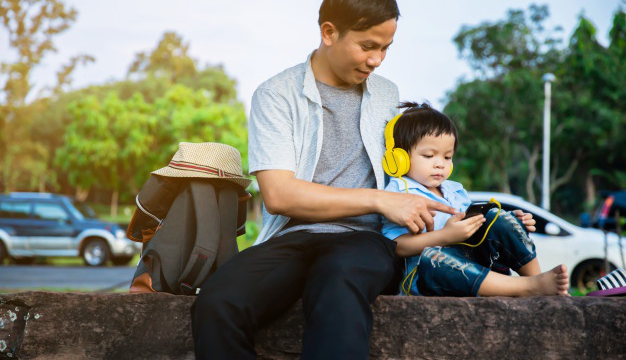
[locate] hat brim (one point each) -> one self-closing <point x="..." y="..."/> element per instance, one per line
<point x="609" y="292"/>
<point x="178" y="173"/>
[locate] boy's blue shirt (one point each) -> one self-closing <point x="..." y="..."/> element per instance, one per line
<point x="454" y="195"/>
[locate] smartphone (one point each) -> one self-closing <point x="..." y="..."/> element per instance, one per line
<point x="479" y="208"/>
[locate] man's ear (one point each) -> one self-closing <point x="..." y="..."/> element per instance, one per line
<point x="329" y="32"/>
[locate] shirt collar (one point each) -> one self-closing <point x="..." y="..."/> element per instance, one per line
<point x="447" y="187"/>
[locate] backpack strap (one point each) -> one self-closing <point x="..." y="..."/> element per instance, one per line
<point x="202" y="257"/>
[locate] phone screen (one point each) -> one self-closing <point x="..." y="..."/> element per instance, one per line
<point x="479" y="208"/>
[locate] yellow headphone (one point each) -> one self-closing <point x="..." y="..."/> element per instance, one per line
<point x="396" y="161"/>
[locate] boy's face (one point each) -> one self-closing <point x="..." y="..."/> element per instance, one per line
<point x="353" y="56"/>
<point x="431" y="160"/>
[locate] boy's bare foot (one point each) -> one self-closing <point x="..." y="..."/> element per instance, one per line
<point x="553" y="282"/>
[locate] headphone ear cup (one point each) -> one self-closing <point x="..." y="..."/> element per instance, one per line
<point x="402" y="161"/>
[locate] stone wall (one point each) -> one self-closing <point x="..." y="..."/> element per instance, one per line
<point x="41" y="325"/>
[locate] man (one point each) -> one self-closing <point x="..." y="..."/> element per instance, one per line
<point x="316" y="144"/>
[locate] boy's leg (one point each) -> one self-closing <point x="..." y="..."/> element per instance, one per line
<point x="448" y="271"/>
<point x="553" y="282"/>
<point x="249" y="290"/>
<point x="350" y="271"/>
<point x="507" y="245"/>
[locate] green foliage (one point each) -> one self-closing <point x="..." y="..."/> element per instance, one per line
<point x="499" y="114"/>
<point x="31" y="27"/>
<point x="109" y="137"/>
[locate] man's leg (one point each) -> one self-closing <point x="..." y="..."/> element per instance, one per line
<point x="249" y="290"/>
<point x="349" y="272"/>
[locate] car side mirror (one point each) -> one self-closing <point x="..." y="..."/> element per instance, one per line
<point x="552" y="229"/>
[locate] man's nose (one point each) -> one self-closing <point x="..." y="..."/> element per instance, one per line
<point x="375" y="60"/>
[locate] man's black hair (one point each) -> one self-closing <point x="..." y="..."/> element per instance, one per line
<point x="357" y="15"/>
<point x="419" y="120"/>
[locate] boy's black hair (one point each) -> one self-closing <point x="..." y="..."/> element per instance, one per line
<point x="419" y="120"/>
<point x="357" y="15"/>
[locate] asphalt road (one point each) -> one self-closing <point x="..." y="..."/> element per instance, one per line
<point x="65" y="277"/>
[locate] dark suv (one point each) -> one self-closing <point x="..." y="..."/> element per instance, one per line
<point x="42" y="224"/>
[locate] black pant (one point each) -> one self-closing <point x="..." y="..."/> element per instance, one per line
<point x="337" y="275"/>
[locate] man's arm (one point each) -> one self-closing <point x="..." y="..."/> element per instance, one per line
<point x="285" y="195"/>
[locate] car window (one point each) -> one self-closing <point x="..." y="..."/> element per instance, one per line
<point x="84" y="209"/>
<point x="15" y="209"/>
<point x="50" y="211"/>
<point x="541" y="222"/>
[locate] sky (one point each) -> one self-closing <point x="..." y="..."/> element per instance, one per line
<point x="254" y="40"/>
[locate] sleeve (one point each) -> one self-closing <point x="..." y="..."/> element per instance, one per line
<point x="392" y="230"/>
<point x="464" y="199"/>
<point x="270" y="133"/>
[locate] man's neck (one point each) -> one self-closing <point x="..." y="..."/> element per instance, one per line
<point x="322" y="70"/>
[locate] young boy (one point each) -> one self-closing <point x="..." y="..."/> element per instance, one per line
<point x="437" y="264"/>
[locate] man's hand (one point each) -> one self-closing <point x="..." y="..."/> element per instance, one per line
<point x="526" y="219"/>
<point x="413" y="211"/>
<point x="457" y="229"/>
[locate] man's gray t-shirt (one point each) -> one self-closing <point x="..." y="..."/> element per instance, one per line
<point x="343" y="161"/>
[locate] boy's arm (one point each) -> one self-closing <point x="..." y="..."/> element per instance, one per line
<point x="285" y="195"/>
<point x="456" y="230"/>
<point x="414" y="244"/>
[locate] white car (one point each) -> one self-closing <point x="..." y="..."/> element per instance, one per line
<point x="582" y="250"/>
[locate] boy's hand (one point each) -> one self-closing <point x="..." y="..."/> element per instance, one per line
<point x="413" y="211"/>
<point x="457" y="229"/>
<point x="526" y="219"/>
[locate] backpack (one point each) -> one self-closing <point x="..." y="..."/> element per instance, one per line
<point x="188" y="228"/>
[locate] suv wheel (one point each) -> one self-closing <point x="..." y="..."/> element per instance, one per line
<point x="96" y="252"/>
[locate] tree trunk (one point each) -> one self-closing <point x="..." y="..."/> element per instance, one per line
<point x="114" y="198"/>
<point x="42" y="183"/>
<point x="532" y="175"/>
<point x="81" y="193"/>
<point x="590" y="192"/>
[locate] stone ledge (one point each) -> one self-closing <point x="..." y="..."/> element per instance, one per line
<point x="42" y="325"/>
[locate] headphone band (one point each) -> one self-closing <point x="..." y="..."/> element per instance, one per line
<point x="390" y="143"/>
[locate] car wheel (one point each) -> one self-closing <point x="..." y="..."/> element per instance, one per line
<point x="587" y="273"/>
<point x="121" y="260"/>
<point x="96" y="252"/>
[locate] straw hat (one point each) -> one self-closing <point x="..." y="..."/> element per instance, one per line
<point x="206" y="160"/>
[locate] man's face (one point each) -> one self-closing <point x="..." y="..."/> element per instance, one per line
<point x="355" y="54"/>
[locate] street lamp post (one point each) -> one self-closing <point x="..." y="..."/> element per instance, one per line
<point x="545" y="198"/>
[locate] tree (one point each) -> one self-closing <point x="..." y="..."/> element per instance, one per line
<point x="31" y="26"/>
<point x="116" y="143"/>
<point x="499" y="112"/>
<point x="106" y="142"/>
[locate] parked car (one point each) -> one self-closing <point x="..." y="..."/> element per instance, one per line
<point x="43" y="224"/>
<point x="560" y="242"/>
